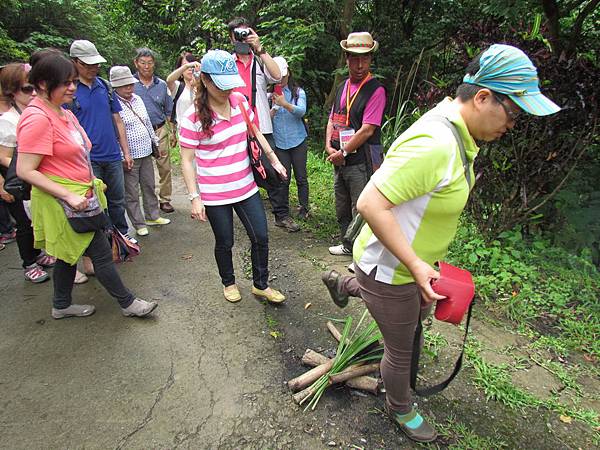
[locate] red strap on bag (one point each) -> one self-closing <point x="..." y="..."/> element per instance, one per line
<point x="254" y="150"/>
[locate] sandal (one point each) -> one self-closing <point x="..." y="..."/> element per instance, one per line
<point x="45" y="260"/>
<point x="80" y="278"/>
<point x="35" y="273"/>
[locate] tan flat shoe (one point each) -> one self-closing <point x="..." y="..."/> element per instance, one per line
<point x="269" y="294"/>
<point x="232" y="293"/>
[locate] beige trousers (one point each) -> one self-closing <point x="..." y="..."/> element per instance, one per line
<point x="163" y="164"/>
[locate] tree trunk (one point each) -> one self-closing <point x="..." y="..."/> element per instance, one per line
<point x="553" y="15"/>
<point x="345" y="25"/>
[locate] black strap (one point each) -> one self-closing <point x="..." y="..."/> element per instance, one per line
<point x="180" y="89"/>
<point x="414" y="364"/>
<point x="253" y="83"/>
<point x="141" y="120"/>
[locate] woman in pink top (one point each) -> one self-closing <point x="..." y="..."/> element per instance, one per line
<point x="53" y="157"/>
<point x="214" y="134"/>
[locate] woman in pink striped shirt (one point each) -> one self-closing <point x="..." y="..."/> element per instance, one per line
<point x="214" y="134"/>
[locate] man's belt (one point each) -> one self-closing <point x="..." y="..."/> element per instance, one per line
<point x="156" y="127"/>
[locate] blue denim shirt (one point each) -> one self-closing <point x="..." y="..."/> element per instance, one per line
<point x="288" y="127"/>
<point x="157" y="100"/>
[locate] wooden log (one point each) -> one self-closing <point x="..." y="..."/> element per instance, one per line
<point x="299" y="396"/>
<point x="364" y="383"/>
<point x="313" y="359"/>
<point x="353" y="372"/>
<point x="307" y="378"/>
<point x="334" y="331"/>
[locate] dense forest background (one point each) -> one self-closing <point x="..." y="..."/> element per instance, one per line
<point x="541" y="178"/>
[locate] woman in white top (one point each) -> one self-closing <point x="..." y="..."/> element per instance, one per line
<point x="140" y="136"/>
<point x="18" y="92"/>
<point x="181" y="85"/>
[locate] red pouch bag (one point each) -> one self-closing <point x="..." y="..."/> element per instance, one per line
<point x="458" y="288"/>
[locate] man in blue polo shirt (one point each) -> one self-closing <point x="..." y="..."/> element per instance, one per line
<point x="159" y="104"/>
<point x="97" y="110"/>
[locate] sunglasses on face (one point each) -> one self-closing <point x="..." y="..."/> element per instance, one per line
<point x="27" y="89"/>
<point x="512" y="115"/>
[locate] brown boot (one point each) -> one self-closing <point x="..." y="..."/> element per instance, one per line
<point x="332" y="280"/>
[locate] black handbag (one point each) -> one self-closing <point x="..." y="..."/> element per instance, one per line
<point x="19" y="189"/>
<point x="92" y="218"/>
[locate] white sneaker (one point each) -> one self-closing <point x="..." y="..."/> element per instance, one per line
<point x="159" y="221"/>
<point x="142" y="231"/>
<point x="139" y="308"/>
<point x="73" y="310"/>
<point x="339" y="250"/>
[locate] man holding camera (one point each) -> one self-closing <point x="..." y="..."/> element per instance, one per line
<point x="258" y="69"/>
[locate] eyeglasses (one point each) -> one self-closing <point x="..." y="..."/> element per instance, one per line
<point x="68" y="83"/>
<point x="512" y="115"/>
<point x="88" y="66"/>
<point x="146" y="63"/>
<point x="27" y="89"/>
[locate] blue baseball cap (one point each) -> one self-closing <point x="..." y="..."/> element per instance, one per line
<point x="507" y="70"/>
<point x="222" y="69"/>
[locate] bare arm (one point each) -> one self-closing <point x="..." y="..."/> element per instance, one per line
<point x="177" y="73"/>
<point x="270" y="65"/>
<point x="198" y="211"/>
<point x="6" y="155"/>
<point x="360" y="137"/>
<point x="27" y="165"/>
<point x="376" y="209"/>
<point x="335" y="157"/>
<point x="270" y="153"/>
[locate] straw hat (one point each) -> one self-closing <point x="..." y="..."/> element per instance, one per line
<point x="359" y="43"/>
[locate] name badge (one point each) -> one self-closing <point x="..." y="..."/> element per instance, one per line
<point x="345" y="136"/>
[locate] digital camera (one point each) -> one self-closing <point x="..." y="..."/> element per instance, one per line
<point x="240" y="34"/>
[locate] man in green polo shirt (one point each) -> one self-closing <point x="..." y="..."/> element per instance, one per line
<point x="412" y="205"/>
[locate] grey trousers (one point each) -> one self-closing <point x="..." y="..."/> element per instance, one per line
<point x="396" y="310"/>
<point x="142" y="175"/>
<point x="349" y="181"/>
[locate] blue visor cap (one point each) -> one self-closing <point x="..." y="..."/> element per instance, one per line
<point x="507" y="70"/>
<point x="222" y="69"/>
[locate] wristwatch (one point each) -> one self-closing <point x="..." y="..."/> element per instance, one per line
<point x="193" y="196"/>
<point x="262" y="51"/>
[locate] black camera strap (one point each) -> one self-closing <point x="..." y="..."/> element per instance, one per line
<point x="253" y="100"/>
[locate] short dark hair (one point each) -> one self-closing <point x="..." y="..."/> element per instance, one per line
<point x="144" y="52"/>
<point x="237" y="22"/>
<point x="11" y="79"/>
<point x="38" y="55"/>
<point x="53" y="69"/>
<point x="466" y="91"/>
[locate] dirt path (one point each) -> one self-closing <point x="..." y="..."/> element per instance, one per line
<point x="207" y="374"/>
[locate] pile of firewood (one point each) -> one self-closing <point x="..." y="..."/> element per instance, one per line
<point x="355" y="376"/>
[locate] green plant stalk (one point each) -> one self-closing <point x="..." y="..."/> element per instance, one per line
<point x="349" y="347"/>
